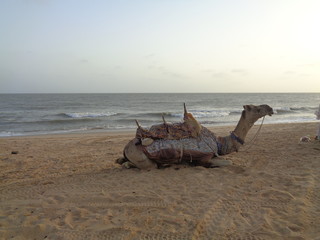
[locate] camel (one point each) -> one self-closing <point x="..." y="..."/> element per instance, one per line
<point x="188" y="142"/>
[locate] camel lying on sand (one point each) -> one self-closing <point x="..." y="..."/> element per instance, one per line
<point x="187" y="142"/>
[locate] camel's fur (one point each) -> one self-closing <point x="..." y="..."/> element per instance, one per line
<point x="188" y="142"/>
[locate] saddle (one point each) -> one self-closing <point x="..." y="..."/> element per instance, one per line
<point x="190" y="127"/>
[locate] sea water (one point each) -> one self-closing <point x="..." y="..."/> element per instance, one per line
<point x="33" y="114"/>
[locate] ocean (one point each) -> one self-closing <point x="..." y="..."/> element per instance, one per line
<point x="35" y="114"/>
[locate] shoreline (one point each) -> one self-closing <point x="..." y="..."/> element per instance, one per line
<point x="68" y="186"/>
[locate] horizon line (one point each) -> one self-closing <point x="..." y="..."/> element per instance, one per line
<point x="149" y="92"/>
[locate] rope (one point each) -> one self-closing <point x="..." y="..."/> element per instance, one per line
<point x="250" y="143"/>
<point x="208" y="145"/>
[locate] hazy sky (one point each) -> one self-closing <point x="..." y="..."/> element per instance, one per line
<point x="159" y="46"/>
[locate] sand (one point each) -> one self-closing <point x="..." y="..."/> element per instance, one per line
<point x="68" y="187"/>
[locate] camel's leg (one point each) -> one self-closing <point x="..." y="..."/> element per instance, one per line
<point x="136" y="156"/>
<point x="128" y="165"/>
<point x="214" y="162"/>
<point x="121" y="160"/>
<point x="124" y="162"/>
<point x="220" y="162"/>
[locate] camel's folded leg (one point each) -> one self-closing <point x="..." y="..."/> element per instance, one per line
<point x="125" y="163"/>
<point x="128" y="165"/>
<point x="220" y="162"/>
<point x="121" y="160"/>
<point x="135" y="155"/>
<point x="214" y="162"/>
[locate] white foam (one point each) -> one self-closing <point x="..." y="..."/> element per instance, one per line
<point x="89" y="115"/>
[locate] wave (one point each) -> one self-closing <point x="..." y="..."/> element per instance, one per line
<point x="283" y="110"/>
<point x="235" y="112"/>
<point x="65" y="121"/>
<point x="39" y="132"/>
<point x="196" y="113"/>
<point x="299" y="108"/>
<point x="210" y="113"/>
<point x="77" y="115"/>
<point x="291" y="110"/>
<point x="220" y="113"/>
<point x="156" y="115"/>
<point x="8" y="134"/>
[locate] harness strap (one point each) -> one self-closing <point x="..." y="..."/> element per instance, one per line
<point x="255" y="136"/>
<point x="235" y="137"/>
<point x="219" y="148"/>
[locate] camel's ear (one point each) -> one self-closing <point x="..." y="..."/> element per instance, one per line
<point x="243" y="114"/>
<point x="247" y="107"/>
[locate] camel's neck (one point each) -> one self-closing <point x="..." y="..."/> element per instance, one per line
<point x="243" y="127"/>
<point x="233" y="143"/>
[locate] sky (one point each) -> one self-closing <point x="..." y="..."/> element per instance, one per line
<point x="120" y="46"/>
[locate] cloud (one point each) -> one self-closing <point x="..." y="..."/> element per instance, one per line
<point x="239" y="71"/>
<point x="227" y="73"/>
<point x="307" y="65"/>
<point x="167" y="72"/>
<point x="290" y="72"/>
<point x="208" y="70"/>
<point x="84" y="61"/>
<point x="156" y="69"/>
<point x="164" y="71"/>
<point x="220" y="75"/>
<point x="150" y="55"/>
<point x="117" y="67"/>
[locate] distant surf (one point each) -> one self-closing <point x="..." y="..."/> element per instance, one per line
<point x="83" y="115"/>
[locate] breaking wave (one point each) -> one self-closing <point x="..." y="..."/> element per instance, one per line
<point x="291" y="110"/>
<point x="196" y="113"/>
<point x="210" y="113"/>
<point x="78" y="115"/>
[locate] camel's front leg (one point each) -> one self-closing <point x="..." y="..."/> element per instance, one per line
<point x="125" y="163"/>
<point x="220" y="162"/>
<point x="214" y="162"/>
<point x="128" y="165"/>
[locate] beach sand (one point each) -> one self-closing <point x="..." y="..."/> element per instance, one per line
<point x="68" y="187"/>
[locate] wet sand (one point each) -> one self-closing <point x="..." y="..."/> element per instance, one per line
<point x="68" y="187"/>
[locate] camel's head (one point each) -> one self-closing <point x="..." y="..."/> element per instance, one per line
<point x="252" y="113"/>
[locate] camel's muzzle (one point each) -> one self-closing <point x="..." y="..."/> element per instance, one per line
<point x="270" y="112"/>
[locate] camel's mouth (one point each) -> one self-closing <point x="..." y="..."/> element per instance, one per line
<point x="270" y="111"/>
<point x="266" y="109"/>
